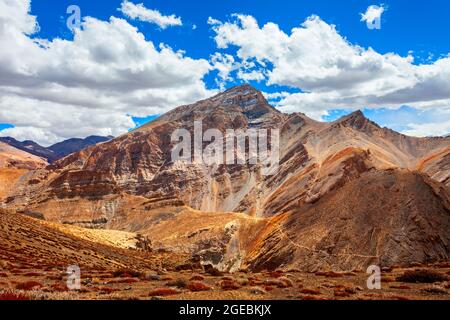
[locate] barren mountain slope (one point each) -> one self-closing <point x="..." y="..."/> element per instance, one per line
<point x="11" y="157"/>
<point x="437" y="166"/>
<point x="314" y="158"/>
<point x="8" y="180"/>
<point x="33" y="243"/>
<point x="14" y="163"/>
<point x="218" y="213"/>
<point x="392" y="217"/>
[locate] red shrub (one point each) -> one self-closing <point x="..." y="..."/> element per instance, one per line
<point x="310" y="291"/>
<point x="107" y="290"/>
<point x="341" y="293"/>
<point x="275" y="274"/>
<point x="311" y="298"/>
<point x="400" y="298"/>
<point x="58" y="287"/>
<point x="280" y="283"/>
<point x="124" y="280"/>
<point x="32" y="274"/>
<point x="198" y="286"/>
<point x="127" y="273"/>
<point x="421" y="276"/>
<point x="229" y="285"/>
<point x="166" y="279"/>
<point x="329" y="274"/>
<point x="9" y="295"/>
<point x="28" y="285"/>
<point x="162" y="292"/>
<point x="3" y="275"/>
<point x="197" y="278"/>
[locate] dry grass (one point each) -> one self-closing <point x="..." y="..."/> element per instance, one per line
<point x="196" y="286"/>
<point x="28" y="285"/>
<point x="11" y="295"/>
<point x="163" y="292"/>
<point x="421" y="276"/>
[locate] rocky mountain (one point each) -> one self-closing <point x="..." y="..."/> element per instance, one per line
<point x="66" y="147"/>
<point x="30" y="147"/>
<point x="383" y="218"/>
<point x="56" y="151"/>
<point x="346" y="194"/>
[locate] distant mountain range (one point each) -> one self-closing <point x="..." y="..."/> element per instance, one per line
<point x="56" y="151"/>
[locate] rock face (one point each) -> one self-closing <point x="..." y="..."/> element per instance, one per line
<point x="392" y="217"/>
<point x="131" y="183"/>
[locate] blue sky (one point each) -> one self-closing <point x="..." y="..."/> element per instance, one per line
<point x="420" y="26"/>
<point x="408" y="58"/>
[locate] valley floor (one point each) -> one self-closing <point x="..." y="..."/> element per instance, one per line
<point x="35" y="255"/>
<point x="20" y="282"/>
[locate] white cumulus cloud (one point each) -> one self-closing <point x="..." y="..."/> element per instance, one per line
<point x="56" y="89"/>
<point x="428" y="129"/>
<point x="140" y="12"/>
<point x="329" y="71"/>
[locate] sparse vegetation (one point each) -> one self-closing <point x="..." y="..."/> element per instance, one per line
<point x="196" y="286"/>
<point x="310" y="291"/>
<point x="330" y="274"/>
<point x="229" y="285"/>
<point x="435" y="290"/>
<point x="127" y="273"/>
<point x="179" y="283"/>
<point x="162" y="292"/>
<point x="11" y="295"/>
<point x="209" y="269"/>
<point x="421" y="276"/>
<point x="28" y="285"/>
<point x="58" y="287"/>
<point x="124" y="280"/>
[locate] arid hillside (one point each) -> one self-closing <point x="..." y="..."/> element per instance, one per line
<point x="11" y="157"/>
<point x="33" y="243"/>
<point x="35" y="255"/>
<point x="14" y="163"/>
<point x="398" y="217"/>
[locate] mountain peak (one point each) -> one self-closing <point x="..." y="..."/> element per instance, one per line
<point x="357" y="120"/>
<point x="250" y="99"/>
<point x="243" y="99"/>
<point x="242" y="91"/>
<point x="242" y="87"/>
<point x="358" y="114"/>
